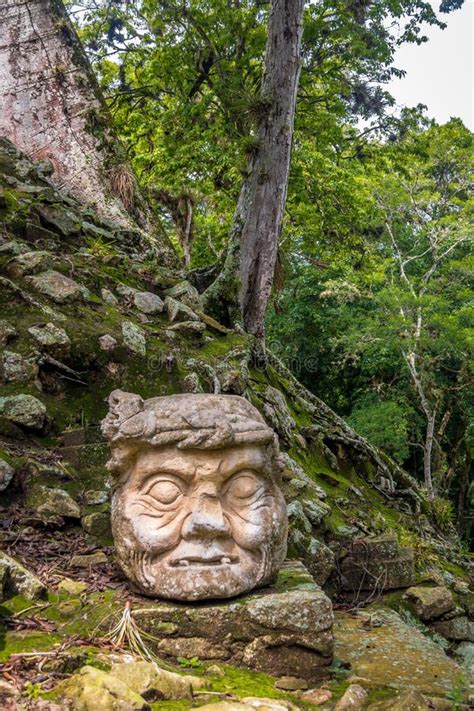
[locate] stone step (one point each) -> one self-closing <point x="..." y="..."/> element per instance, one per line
<point x="284" y="629"/>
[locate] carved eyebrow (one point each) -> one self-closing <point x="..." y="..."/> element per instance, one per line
<point x="249" y="464"/>
<point x="178" y="472"/>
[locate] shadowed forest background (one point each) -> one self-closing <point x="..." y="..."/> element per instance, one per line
<point x="371" y="305"/>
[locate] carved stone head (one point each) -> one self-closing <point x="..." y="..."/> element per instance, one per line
<point x="197" y="511"/>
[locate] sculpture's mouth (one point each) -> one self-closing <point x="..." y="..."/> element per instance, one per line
<point x="200" y="562"/>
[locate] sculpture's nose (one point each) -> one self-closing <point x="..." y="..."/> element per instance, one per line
<point x="207" y="519"/>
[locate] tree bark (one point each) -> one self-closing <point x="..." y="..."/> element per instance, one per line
<point x="52" y="109"/>
<point x="247" y="278"/>
<point x="427" y="453"/>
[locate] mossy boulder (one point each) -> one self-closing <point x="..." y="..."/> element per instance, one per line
<point x="15" y="579"/>
<point x="91" y="689"/>
<point x="153" y="683"/>
<point x="52" y="501"/>
<point x="24" y="410"/>
<point x="430" y="603"/>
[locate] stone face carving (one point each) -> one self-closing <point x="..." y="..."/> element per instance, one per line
<point x="197" y="511"/>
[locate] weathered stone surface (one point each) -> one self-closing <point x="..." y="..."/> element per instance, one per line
<point x="72" y="587"/>
<point x="291" y="683"/>
<point x="147" y="302"/>
<point x="29" y="263"/>
<point x="107" y="342"/>
<point x="91" y="689"/>
<point x="381" y="647"/>
<point x="18" y="580"/>
<point x="213" y="524"/>
<point x="6" y="474"/>
<point x="377" y="563"/>
<point x="94" y="497"/>
<point x="24" y="410"/>
<point x="89" y="560"/>
<point x="7" y="333"/>
<point x="52" y="339"/>
<point x="108" y="297"/>
<point x="352" y="700"/>
<point x="58" y="287"/>
<point x="430" y="603"/>
<point x="97" y="524"/>
<point x="47" y="501"/>
<point x="321" y="561"/>
<point x="316" y="696"/>
<point x="285" y="630"/>
<point x="188" y="328"/>
<point x="262" y="704"/>
<point x="177" y="310"/>
<point x="152" y="683"/>
<point x="17" y="369"/>
<point x="459" y="628"/>
<point x="134" y="338"/>
<point x="411" y="700"/>
<point x="183" y="289"/>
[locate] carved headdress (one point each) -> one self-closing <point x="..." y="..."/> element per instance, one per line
<point x="188" y="421"/>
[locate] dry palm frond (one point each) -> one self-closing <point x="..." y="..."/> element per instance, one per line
<point x="126" y="632"/>
<point x="124" y="184"/>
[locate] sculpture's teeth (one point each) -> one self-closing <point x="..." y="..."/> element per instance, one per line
<point x="225" y="560"/>
<point x="183" y="563"/>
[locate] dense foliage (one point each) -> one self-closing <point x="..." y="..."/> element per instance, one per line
<point x="372" y="288"/>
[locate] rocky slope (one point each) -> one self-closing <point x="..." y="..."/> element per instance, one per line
<point x="86" y="308"/>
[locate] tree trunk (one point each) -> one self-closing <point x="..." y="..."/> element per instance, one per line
<point x="52" y="109"/>
<point x="247" y="277"/>
<point x="428" y="451"/>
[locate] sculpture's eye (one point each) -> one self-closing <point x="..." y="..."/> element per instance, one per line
<point x="243" y="485"/>
<point x="165" y="491"/>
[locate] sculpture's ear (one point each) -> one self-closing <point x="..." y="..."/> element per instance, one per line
<point x="122" y="406"/>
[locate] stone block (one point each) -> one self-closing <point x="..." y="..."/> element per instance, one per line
<point x="285" y="629"/>
<point x="430" y="603"/>
<point x="377" y="563"/>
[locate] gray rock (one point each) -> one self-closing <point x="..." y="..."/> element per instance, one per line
<point x="52" y="339"/>
<point x="178" y="311"/>
<point x="148" y="680"/>
<point x="108" y="297"/>
<point x="188" y="328"/>
<point x="126" y="291"/>
<point x="19" y="580"/>
<point x="97" y="524"/>
<point x="29" y="263"/>
<point x="353" y="699"/>
<point x="147" y="302"/>
<point x="134" y="338"/>
<point x="24" y="410"/>
<point x="48" y="501"/>
<point x="90" y="689"/>
<point x="16" y="369"/>
<point x="93" y="497"/>
<point x="378" y="645"/>
<point x="6" y="474"/>
<point x="465" y="651"/>
<point x="183" y="288"/>
<point x="87" y="561"/>
<point x="107" y="342"/>
<point x="459" y="628"/>
<point x="321" y="561"/>
<point x="430" y="602"/>
<point x="377" y="564"/>
<point x="58" y="287"/>
<point x="14" y="247"/>
<point x="7" y="333"/>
